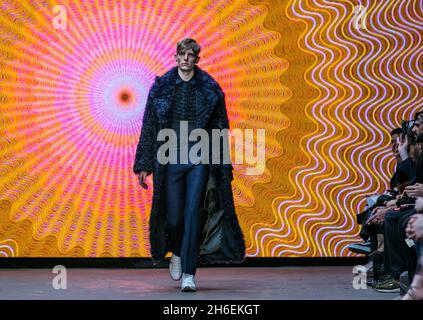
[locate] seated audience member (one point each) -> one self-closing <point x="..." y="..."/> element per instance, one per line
<point x="404" y="172"/>
<point x="415" y="232"/>
<point x="396" y="214"/>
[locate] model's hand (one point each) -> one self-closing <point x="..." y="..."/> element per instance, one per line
<point x="143" y="179"/>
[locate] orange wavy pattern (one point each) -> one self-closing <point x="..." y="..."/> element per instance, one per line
<point x="68" y="140"/>
<point x="326" y="93"/>
<point x="365" y="81"/>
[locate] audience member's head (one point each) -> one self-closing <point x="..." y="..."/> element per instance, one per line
<point x="417" y="129"/>
<point x="419" y="116"/>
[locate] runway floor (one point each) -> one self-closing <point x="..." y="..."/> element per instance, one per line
<point x="246" y="283"/>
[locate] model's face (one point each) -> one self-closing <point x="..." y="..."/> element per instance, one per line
<point x="186" y="60"/>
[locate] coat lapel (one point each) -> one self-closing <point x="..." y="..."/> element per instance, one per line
<point x="207" y="95"/>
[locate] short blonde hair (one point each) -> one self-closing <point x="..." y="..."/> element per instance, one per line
<point x="187" y="44"/>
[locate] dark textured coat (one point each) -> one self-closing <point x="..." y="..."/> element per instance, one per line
<point x="222" y="240"/>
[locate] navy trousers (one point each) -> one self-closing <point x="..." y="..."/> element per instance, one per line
<point x="185" y="189"/>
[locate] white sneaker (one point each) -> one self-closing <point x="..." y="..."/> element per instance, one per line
<point x="188" y="283"/>
<point x="175" y="267"/>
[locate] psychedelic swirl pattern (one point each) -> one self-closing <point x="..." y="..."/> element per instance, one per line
<point x="325" y="82"/>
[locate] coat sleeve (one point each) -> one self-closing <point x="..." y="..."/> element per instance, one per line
<point x="145" y="154"/>
<point x="222" y="122"/>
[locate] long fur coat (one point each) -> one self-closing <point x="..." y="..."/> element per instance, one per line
<point x="222" y="240"/>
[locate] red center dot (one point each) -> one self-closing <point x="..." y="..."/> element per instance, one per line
<point x="125" y="97"/>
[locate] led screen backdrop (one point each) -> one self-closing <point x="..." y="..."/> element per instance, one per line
<point x="327" y="80"/>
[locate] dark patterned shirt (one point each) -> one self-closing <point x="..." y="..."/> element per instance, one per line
<point x="184" y="108"/>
